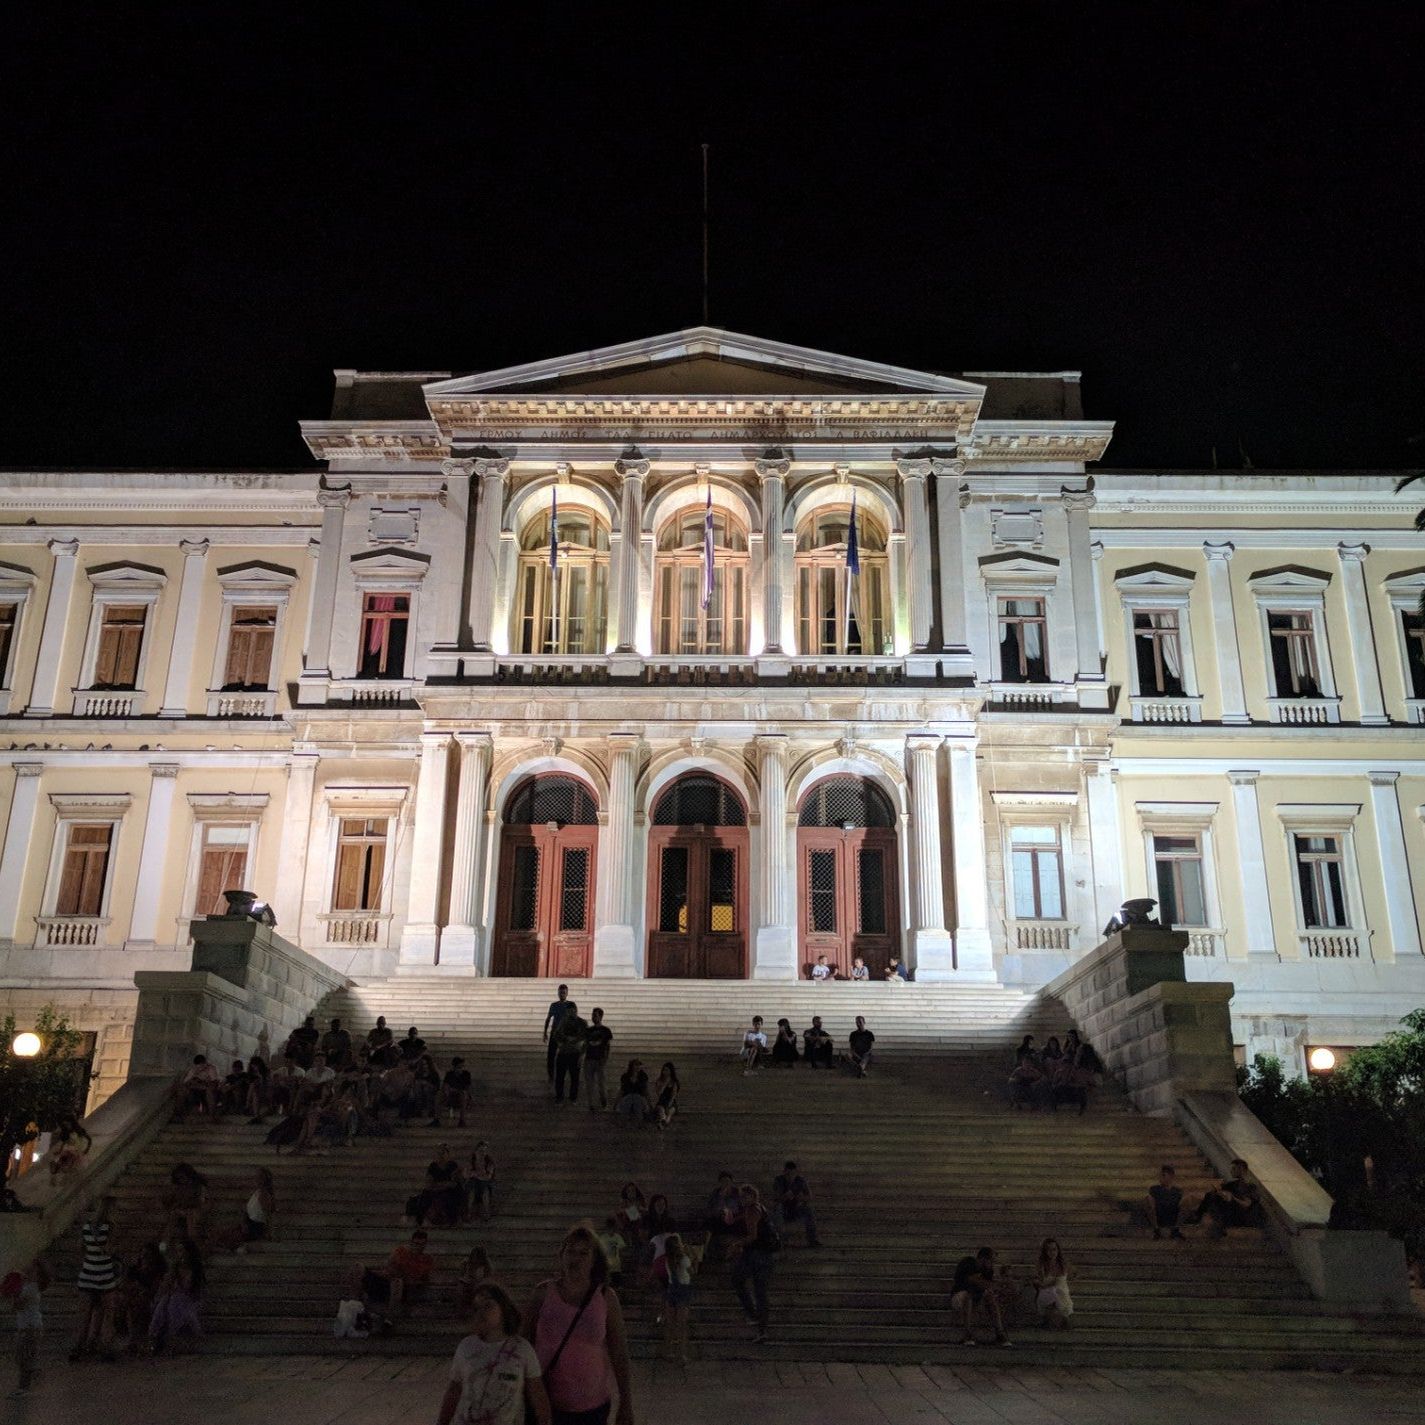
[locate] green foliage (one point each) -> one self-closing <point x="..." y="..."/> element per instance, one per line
<point x="36" y="1094"/>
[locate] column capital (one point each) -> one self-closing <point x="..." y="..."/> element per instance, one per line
<point x="457" y="468"/>
<point x="334" y="497"/>
<point x="489" y="469"/>
<point x="914" y="469"/>
<point x="1243" y="777"/>
<point x="1096" y="549"/>
<point x="631" y="468"/>
<point x="1077" y="501"/>
<point x="1352" y="553"/>
<point x="164" y="770"/>
<point x="195" y="548"/>
<point x="772" y="468"/>
<point x="314" y="549"/>
<point x="29" y="769"/>
<point x="947" y="469"/>
<point x="471" y="738"/>
<point x="625" y="742"/>
<point x="1223" y="550"/>
<point x="437" y="739"/>
<point x="772" y="744"/>
<point x="1382" y="779"/>
<point x="62" y="546"/>
<point x="918" y="742"/>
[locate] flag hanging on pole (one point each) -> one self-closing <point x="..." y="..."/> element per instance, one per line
<point x="554" y="532"/>
<point x="853" y="566"/>
<point x="708" y="552"/>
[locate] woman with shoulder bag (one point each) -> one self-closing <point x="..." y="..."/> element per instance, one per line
<point x="752" y="1259"/>
<point x="576" y="1326"/>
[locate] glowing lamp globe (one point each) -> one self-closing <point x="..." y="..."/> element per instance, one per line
<point x="26" y="1045"/>
<point x="1322" y="1060"/>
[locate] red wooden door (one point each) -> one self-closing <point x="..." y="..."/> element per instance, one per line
<point x="697" y="902"/>
<point x="848" y="896"/>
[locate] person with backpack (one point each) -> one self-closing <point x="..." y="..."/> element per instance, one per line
<point x="575" y="1325"/>
<point x="753" y="1253"/>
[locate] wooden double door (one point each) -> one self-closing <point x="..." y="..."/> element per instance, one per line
<point x="545" y="907"/>
<point x="697" y="902"/>
<point x="847" y="899"/>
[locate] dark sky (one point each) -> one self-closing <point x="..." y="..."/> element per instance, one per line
<point x="1214" y="211"/>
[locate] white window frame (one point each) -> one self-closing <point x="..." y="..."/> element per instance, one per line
<point x="1404" y="591"/>
<point x="1024" y="577"/>
<point x="17" y="586"/>
<point x="350" y="801"/>
<point x="87" y="809"/>
<point x="388" y="572"/>
<point x="121" y="584"/>
<point x="1296" y="591"/>
<point x="1327" y="819"/>
<point x="1187" y="819"/>
<point x="1059" y="810"/>
<point x="252" y="585"/>
<point x="218" y="809"/>
<point x="1153" y="588"/>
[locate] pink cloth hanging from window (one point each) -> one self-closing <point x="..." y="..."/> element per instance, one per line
<point x="376" y="628"/>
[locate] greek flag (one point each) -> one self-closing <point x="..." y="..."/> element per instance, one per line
<point x="853" y="545"/>
<point x="708" y="552"/>
<point x="554" y="533"/>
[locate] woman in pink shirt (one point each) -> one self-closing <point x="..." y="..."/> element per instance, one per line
<point x="576" y="1327"/>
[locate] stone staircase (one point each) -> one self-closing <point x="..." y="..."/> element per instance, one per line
<point x="910" y="1169"/>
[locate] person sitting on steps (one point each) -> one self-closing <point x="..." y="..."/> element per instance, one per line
<point x="387" y="1291"/>
<point x="754" y="1046"/>
<point x="454" y="1093"/>
<point x="821" y="972"/>
<point x="817" y="1046"/>
<point x="784" y="1046"/>
<point x="1232" y="1203"/>
<point x="860" y="1042"/>
<point x="791" y="1202"/>
<point x="1165" y="1201"/>
<point x="975" y="1287"/>
<point x="896" y="973"/>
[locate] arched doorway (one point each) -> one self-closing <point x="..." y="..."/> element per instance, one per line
<point x="846" y="865"/>
<point x="544" y="917"/>
<point x="697" y="894"/>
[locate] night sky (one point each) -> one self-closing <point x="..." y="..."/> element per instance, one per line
<point x="1215" y="211"/>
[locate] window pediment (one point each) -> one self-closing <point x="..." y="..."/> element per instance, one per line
<point x="1403" y="589"/>
<point x="1288" y="580"/>
<point x="1155" y="579"/>
<point x="127" y="579"/>
<point x="256" y="574"/>
<point x="1019" y="567"/>
<point x="389" y="566"/>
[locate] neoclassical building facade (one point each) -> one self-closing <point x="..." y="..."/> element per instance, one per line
<point x="704" y="656"/>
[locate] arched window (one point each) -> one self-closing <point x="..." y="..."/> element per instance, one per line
<point x="837" y="611"/>
<point x="699" y="800"/>
<point x="558" y="799"/>
<point x="563" y="610"/>
<point x="846" y="802"/>
<point x="682" y="624"/>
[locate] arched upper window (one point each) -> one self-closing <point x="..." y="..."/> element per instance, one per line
<point x="837" y="611"/>
<point x="563" y="609"/>
<point x="846" y="802"/>
<point x="699" y="800"/>
<point x="681" y="624"/>
<point x="544" y="799"/>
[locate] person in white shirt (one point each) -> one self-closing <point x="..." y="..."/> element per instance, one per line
<point x="821" y="972"/>
<point x="318" y="1080"/>
<point x="495" y="1374"/>
<point x="754" y="1045"/>
<point x="198" y="1088"/>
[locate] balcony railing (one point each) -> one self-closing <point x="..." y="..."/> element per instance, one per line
<point x="1415" y="710"/>
<point x="1312" y="712"/>
<point x="373" y="692"/>
<point x="71" y="930"/>
<point x="102" y="703"/>
<point x="356" y="927"/>
<point x="1153" y="708"/>
<point x="1205" y="944"/>
<point x="261" y="702"/>
<point x="1330" y="944"/>
<point x="1043" y="935"/>
<point x="1027" y="697"/>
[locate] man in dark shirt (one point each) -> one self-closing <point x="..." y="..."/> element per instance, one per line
<point x="895" y="972"/>
<point x="816" y="1045"/>
<point x="1165" y="1201"/>
<point x="303" y="1042"/>
<point x="336" y="1045"/>
<point x="597" y="1039"/>
<point x="558" y="1008"/>
<point x="412" y="1046"/>
<point x="455" y="1092"/>
<point x="791" y="1202"/>
<point x="380" y="1036"/>
<point x="860" y="1042"/>
<point x="567" y="1042"/>
<point x="974" y="1285"/>
<point x="1233" y="1203"/>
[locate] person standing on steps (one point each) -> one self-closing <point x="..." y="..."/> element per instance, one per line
<point x="568" y="1041"/>
<point x="752" y="1251"/>
<point x="558" y="1008"/>
<point x="596" y="1060"/>
<point x="576" y="1326"/>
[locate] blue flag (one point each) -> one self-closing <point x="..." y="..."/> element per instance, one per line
<point x="853" y="545"/>
<point x="554" y="532"/>
<point x="708" y="552"/>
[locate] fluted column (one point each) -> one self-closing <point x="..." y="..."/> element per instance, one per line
<point x="460" y="940"/>
<point x="488" y="514"/>
<point x="316" y="669"/>
<point x="773" y="475"/>
<point x="914" y="474"/>
<point x="1105" y="837"/>
<point x="1252" y="863"/>
<point x="974" y="956"/>
<point x="47" y="663"/>
<point x="1224" y="632"/>
<point x="615" y="916"/>
<point x="775" y="952"/>
<point x="153" y="856"/>
<point x="1394" y="864"/>
<point x="421" y="936"/>
<point x="19" y="831"/>
<point x="185" y="629"/>
<point x="1077" y="504"/>
<point x="286" y="897"/>
<point x="632" y="473"/>
<point x="1363" y="644"/>
<point x="934" y="959"/>
<point x="954" y="639"/>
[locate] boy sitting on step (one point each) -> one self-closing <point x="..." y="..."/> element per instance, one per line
<point x="754" y="1046"/>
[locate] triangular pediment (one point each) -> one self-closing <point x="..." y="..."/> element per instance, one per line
<point x="705" y="361"/>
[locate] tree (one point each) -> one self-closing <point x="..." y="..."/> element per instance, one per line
<point x="37" y="1094"/>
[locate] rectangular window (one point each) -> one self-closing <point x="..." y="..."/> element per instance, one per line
<point x="116" y="664"/>
<point x="673" y="891"/>
<point x="1414" y="627"/>
<point x="1177" y="861"/>
<point x="222" y="866"/>
<point x="722" y="889"/>
<point x="85" y="870"/>
<point x="871" y="891"/>
<point x="1158" y="651"/>
<point x="385" y="619"/>
<point x="9" y="615"/>
<point x="1293" y="638"/>
<point x="574" y="889"/>
<point x="1023" y="656"/>
<point x="360" y="863"/>
<point x="251" y="631"/>
<point x="1320" y="878"/>
<point x="821" y="891"/>
<point x="524" y="892"/>
<point x="1037" y="873"/>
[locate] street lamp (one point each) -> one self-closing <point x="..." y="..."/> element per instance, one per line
<point x="1322" y="1061"/>
<point x="26" y="1045"/>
